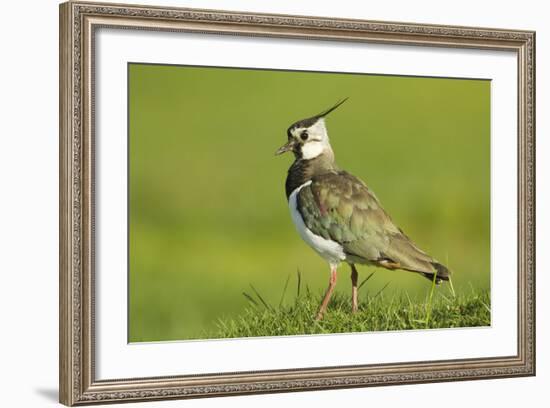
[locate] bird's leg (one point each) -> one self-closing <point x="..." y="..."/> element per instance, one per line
<point x="328" y="293"/>
<point x="354" y="276"/>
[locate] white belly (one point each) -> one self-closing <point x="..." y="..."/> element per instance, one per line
<point x="330" y="250"/>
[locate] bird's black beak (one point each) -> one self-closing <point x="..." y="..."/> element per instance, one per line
<point x="285" y="148"/>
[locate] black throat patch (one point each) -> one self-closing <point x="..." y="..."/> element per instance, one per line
<point x="302" y="171"/>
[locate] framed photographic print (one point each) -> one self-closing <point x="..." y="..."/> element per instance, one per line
<point x="258" y="203"/>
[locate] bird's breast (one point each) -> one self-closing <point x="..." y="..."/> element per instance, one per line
<point x="330" y="250"/>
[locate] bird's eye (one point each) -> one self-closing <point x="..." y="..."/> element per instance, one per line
<point x="304" y="135"/>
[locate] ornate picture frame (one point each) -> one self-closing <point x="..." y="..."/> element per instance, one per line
<point x="79" y="22"/>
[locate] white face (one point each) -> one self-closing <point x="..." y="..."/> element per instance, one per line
<point x="316" y="142"/>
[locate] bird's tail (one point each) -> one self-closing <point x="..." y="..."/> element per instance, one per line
<point x="441" y="273"/>
<point x="405" y="255"/>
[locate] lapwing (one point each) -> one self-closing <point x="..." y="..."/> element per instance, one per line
<point x="338" y="216"/>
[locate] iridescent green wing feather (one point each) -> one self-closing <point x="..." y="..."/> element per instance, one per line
<point x="340" y="207"/>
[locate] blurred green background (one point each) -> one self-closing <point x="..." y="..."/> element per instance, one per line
<point x="207" y="209"/>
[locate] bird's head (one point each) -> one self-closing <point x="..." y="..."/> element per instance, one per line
<point x="308" y="138"/>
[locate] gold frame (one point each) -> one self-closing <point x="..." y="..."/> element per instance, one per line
<point x="78" y="22"/>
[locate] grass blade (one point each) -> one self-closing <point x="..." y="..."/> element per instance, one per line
<point x="266" y="305"/>
<point x="451" y="287"/>
<point x="250" y="299"/>
<point x="299" y="282"/>
<point x="364" y="281"/>
<point x="284" y="291"/>
<point x="430" y="298"/>
<point x="380" y="291"/>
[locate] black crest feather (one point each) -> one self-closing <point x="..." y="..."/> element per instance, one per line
<point x="310" y="121"/>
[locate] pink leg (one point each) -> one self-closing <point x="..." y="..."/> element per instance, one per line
<point x="328" y="293"/>
<point x="354" y="276"/>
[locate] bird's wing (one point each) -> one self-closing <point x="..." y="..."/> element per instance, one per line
<point x="340" y="207"/>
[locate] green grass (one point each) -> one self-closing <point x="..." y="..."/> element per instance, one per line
<point x="441" y="308"/>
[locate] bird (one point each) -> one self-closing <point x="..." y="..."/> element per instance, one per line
<point x="340" y="217"/>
